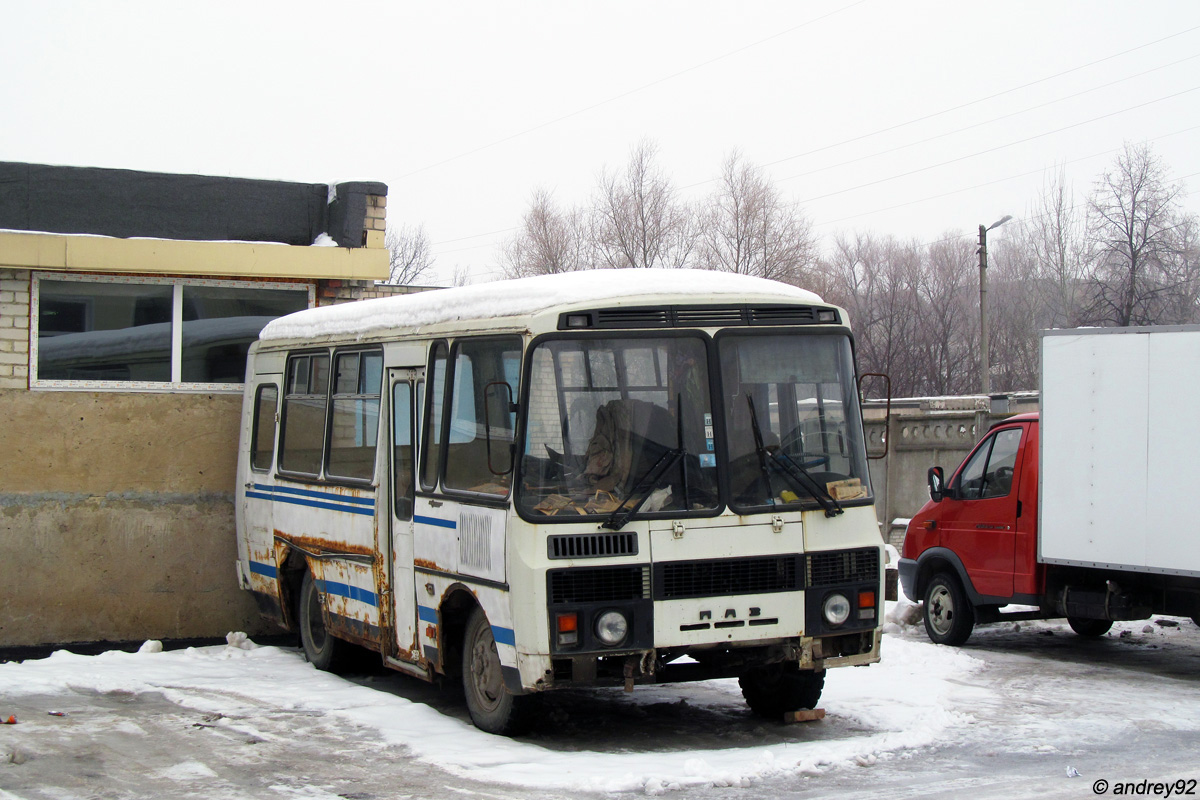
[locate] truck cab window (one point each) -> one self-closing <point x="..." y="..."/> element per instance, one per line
<point x="989" y="471"/>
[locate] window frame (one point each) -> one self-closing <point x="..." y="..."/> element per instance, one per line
<point x="178" y="284"/>
<point x="256" y="426"/>
<point x="332" y="396"/>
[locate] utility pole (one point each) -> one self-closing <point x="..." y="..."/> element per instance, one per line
<point x="985" y="372"/>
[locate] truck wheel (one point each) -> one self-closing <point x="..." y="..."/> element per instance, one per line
<point x="493" y="707"/>
<point x="323" y="650"/>
<point x="1090" y="628"/>
<point x="949" y="617"/>
<point x="774" y="690"/>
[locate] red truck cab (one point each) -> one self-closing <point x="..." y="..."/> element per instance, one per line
<point x="973" y="547"/>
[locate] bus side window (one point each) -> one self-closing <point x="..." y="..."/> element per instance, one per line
<point x="301" y="445"/>
<point x="431" y="452"/>
<point x="402" y="450"/>
<point x="354" y="429"/>
<point x="479" y="364"/>
<point x="262" y="439"/>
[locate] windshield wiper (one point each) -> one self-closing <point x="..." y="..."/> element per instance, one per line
<point x="801" y="477"/>
<point x="649" y="480"/>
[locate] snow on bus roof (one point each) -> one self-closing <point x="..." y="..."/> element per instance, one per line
<point x="523" y="296"/>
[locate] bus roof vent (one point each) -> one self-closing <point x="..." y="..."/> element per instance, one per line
<point x="709" y="316"/>
<point x="783" y="315"/>
<point x="644" y="317"/>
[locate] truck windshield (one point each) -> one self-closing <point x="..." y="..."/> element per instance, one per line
<point x="790" y="400"/>
<point x="617" y="425"/>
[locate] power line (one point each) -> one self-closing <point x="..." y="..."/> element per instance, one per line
<point x="981" y="99"/>
<point x="982" y="123"/>
<point x="994" y="149"/>
<point x="623" y="95"/>
<point x="993" y="182"/>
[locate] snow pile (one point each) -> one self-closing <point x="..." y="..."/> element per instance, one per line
<point x="527" y="296"/>
<point x="906" y="701"/>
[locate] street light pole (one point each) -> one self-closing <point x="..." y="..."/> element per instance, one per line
<point x="984" y="367"/>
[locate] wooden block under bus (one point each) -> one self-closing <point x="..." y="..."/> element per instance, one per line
<point x="804" y="715"/>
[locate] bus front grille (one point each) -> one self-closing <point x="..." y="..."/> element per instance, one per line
<point x="599" y="584"/>
<point x="674" y="580"/>
<point x="843" y="566"/>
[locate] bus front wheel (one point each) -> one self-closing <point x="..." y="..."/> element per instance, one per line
<point x="493" y="707"/>
<point x="774" y="690"/>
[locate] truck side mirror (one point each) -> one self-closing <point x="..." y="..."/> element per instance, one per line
<point x="937" y="484"/>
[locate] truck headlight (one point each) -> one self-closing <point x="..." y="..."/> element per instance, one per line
<point x="612" y="628"/>
<point x="836" y="609"/>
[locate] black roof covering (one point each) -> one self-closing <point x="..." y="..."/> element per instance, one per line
<point x="126" y="203"/>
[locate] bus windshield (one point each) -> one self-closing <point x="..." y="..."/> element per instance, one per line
<point x="617" y="425"/>
<point x="792" y="426"/>
<point x="624" y="425"/>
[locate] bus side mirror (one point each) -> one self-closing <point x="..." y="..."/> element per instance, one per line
<point x="937" y="484"/>
<point x="498" y="405"/>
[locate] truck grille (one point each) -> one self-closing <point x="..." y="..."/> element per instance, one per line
<point x="843" y="566"/>
<point x="678" y="579"/>
<point x="599" y="584"/>
<point x="592" y="545"/>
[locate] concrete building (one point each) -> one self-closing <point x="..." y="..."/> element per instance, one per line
<point x="127" y="302"/>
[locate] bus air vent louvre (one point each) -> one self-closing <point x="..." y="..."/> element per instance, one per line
<point x="708" y="316"/>
<point x="599" y="584"/>
<point x="783" y="315"/>
<point x="633" y="318"/>
<point x="717" y="316"/>
<point x="679" y="579"/>
<point x="843" y="566"/>
<point x="592" y="545"/>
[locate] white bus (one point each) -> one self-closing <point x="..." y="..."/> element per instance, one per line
<point x="611" y="477"/>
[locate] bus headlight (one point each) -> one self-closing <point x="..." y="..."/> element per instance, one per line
<point x="612" y="628"/>
<point x="836" y="609"/>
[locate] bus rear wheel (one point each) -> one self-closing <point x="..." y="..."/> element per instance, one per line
<point x="323" y="650"/>
<point x="777" y="689"/>
<point x="493" y="707"/>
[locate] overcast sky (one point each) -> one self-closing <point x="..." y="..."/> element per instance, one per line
<point x="909" y="118"/>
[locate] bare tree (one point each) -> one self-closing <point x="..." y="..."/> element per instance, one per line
<point x="948" y="289"/>
<point x="549" y="240"/>
<point x="748" y="228"/>
<point x="637" y="220"/>
<point x="408" y="252"/>
<point x="1054" y="235"/>
<point x="874" y="280"/>
<point x="1133" y="219"/>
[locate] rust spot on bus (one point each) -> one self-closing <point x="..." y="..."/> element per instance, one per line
<point x="425" y="563"/>
<point x="318" y="546"/>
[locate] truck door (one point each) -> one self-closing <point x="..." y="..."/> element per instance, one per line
<point x="980" y="523"/>
<point x="403" y="383"/>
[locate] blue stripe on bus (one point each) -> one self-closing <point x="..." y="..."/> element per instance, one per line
<point x="346" y="590"/>
<point x="266" y="570"/>
<point x="427" y="614"/>
<point x="296" y="501"/>
<point x="504" y="635"/>
<point x="345" y="498"/>
<point x="441" y="523"/>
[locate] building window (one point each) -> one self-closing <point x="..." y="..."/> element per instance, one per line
<point x="150" y="333"/>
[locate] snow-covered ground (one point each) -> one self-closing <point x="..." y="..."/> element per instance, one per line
<point x="246" y="721"/>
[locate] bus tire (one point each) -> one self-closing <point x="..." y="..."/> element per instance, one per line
<point x="1089" y="628"/>
<point x="948" y="614"/>
<point x="774" y="690"/>
<point x="493" y="707"/>
<point x="323" y="650"/>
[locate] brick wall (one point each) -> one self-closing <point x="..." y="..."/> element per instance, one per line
<point x="14" y="328"/>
